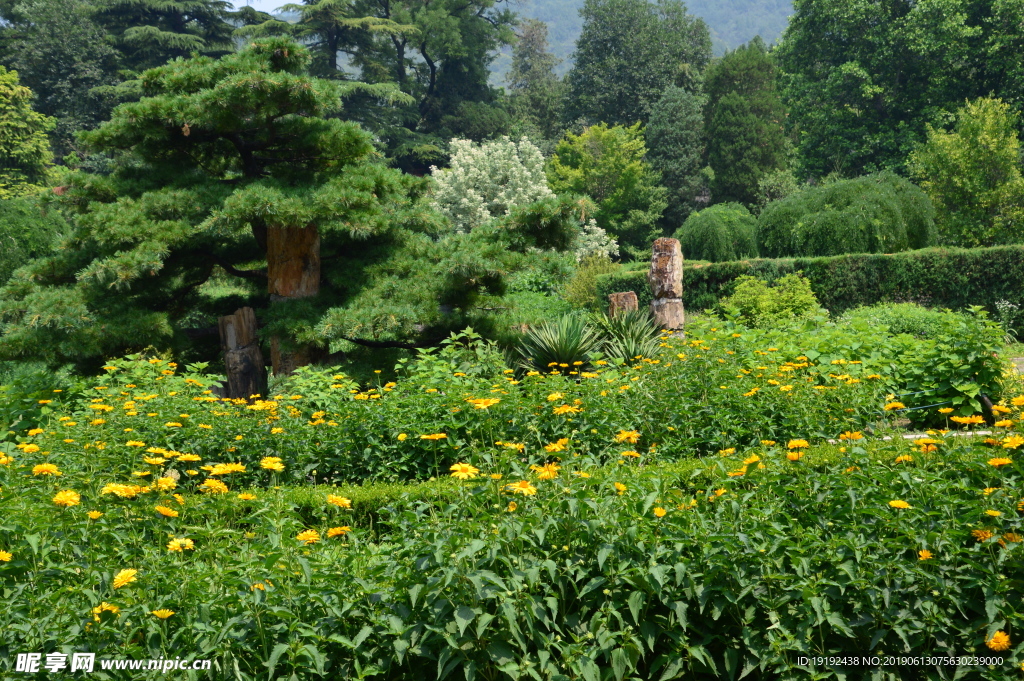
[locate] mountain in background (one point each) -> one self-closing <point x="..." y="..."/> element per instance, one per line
<point x="732" y="23"/>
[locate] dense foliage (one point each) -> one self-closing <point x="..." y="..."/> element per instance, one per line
<point x="725" y="231"/>
<point x="973" y="176"/>
<point x="27" y="231"/>
<point x="676" y="140"/>
<point x="880" y="213"/>
<point x="25" y="156"/>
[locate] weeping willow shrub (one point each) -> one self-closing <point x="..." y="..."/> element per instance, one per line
<point x="720" y="233"/>
<point x="880" y="213"/>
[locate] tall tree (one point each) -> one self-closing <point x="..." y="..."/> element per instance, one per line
<point x="607" y="164"/>
<point x="863" y="78"/>
<point x="676" y="142"/>
<point x="242" y="166"/>
<point x="25" y="156"/>
<point x="150" y="33"/>
<point x="65" y="59"/>
<point x="535" y="90"/>
<point x="973" y="176"/>
<point x="745" y="123"/>
<point x="628" y="52"/>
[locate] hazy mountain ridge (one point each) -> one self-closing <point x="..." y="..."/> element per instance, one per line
<point x="732" y="23"/>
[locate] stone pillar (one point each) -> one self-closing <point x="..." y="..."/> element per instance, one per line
<point x="619" y="303"/>
<point x="666" y="280"/>
<point x="243" y="360"/>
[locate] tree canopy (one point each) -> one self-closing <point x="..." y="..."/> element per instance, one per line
<point x="25" y="157"/>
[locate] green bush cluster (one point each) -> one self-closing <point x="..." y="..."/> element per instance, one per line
<point x="953" y="278"/>
<point x="881" y="213"/>
<point x="759" y="304"/>
<point x="909" y="318"/>
<point x="26" y="232"/>
<point x="723" y="232"/>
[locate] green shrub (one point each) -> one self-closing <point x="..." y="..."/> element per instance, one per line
<point x="761" y="305"/>
<point x="909" y="318"/>
<point x="562" y="345"/>
<point x="581" y="289"/>
<point x="720" y="233"/>
<point x="881" y="213"/>
<point x="628" y="335"/>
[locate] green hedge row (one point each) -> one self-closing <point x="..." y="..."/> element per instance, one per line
<point x="935" y="277"/>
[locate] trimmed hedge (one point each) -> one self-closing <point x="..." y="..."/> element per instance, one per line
<point x="954" y="278"/>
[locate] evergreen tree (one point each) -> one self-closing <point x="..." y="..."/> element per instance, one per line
<point x="149" y="33"/>
<point x="628" y="53"/>
<point x="675" y="138"/>
<point x="241" y="166"/>
<point x="25" y="156"/>
<point x="535" y="89"/>
<point x="745" y="123"/>
<point x="64" y="58"/>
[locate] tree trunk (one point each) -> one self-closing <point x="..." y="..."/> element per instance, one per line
<point x="293" y="271"/>
<point x="243" y="361"/>
<point x="620" y="303"/>
<point x="666" y="280"/>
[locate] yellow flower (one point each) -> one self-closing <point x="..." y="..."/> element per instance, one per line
<point x="308" y="536"/>
<point x="463" y="471"/>
<point x="484" y="403"/>
<point x="165" y="484"/>
<point x="28" y="448"/>
<point x="339" y="501"/>
<point x="753" y="458"/>
<point x="558" y="445"/>
<point x="402" y="437"/>
<point x="999" y="641"/>
<point x="67" y="498"/>
<point x="36" y="431"/>
<point x="123" y="491"/>
<point x="794" y="456"/>
<point x="95" y="515"/>
<point x="1013" y="442"/>
<point x="276" y="431"/>
<point x="905" y="458"/>
<point x="246" y="496"/>
<point x="896" y="503"/>
<point x="851" y="435"/>
<point x="999" y="461"/>
<point x="946" y="410"/>
<point x="167" y="512"/>
<point x="512" y="506"/>
<point x="981" y="535"/>
<point x="45" y="401"/>
<point x="522" y="487"/>
<point x="180" y="545"/>
<point x="630" y="436"/>
<point x="767" y="443"/>
<point x="272" y="463"/>
<point x="339" y="531"/>
<point x="924" y="555"/>
<point x="582" y="474"/>
<point x="620" y="488"/>
<point x="97" y="612"/>
<point x="630" y="454"/>
<point x="495" y="476"/>
<point x="1005" y="423"/>
<point x="994" y="514"/>
<point x="894" y="405"/>
<point x="213" y="486"/>
<point x="785" y="388"/>
<point x="154" y="460"/>
<point x="797" y="444"/>
<point x="566" y="409"/>
<point x="135" y="443"/>
<point x="172" y="424"/>
<point x="548" y="471"/>
<point x="967" y="420"/>
<point x="227" y="468"/>
<point x="1017" y="401"/>
<point x="46" y="469"/>
<point x="659" y="512"/>
<point x="6" y="556"/>
<point x="124" y="577"/>
<point x="434" y="436"/>
<point x="162" y="613"/>
<point x="555" y="396"/>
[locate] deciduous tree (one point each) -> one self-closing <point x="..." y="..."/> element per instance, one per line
<point x="25" y="158"/>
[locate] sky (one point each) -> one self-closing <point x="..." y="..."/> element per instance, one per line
<point x="264" y="5"/>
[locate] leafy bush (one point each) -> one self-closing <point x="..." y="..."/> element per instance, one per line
<point x="560" y="346"/>
<point x="881" y="213"/>
<point x="722" y="232"/>
<point x="581" y="290"/>
<point x="908" y="318"/>
<point x="486" y="180"/>
<point x="762" y="305"/>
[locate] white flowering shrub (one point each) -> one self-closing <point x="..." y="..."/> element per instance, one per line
<point x="487" y="180"/>
<point x="595" y="241"/>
